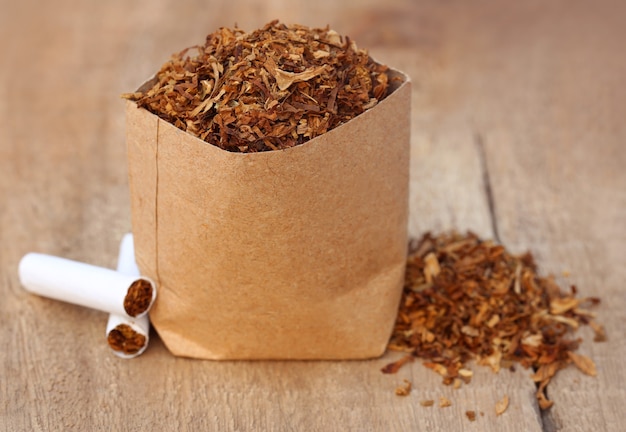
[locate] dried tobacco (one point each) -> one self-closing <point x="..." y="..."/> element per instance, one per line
<point x="502" y="405"/>
<point x="126" y="340"/>
<point x="465" y="298"/>
<point x="270" y="89"/>
<point x="138" y="298"/>
<point x="405" y="389"/>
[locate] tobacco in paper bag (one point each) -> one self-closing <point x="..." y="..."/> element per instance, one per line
<point x="269" y="195"/>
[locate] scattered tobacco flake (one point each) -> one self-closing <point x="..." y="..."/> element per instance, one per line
<point x="471" y="415"/>
<point x="542" y="399"/>
<point x="598" y="330"/>
<point x="466" y="375"/>
<point x="502" y="405"/>
<point x="270" y="89"/>
<point x="394" y="367"/>
<point x="465" y="298"/>
<point x="585" y="364"/>
<point x="404" y="390"/>
<point x="444" y="402"/>
<point x="427" y="403"/>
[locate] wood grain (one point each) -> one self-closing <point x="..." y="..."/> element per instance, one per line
<point x="559" y="184"/>
<point x="517" y="132"/>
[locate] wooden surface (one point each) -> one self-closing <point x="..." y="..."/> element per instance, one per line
<point x="518" y="133"/>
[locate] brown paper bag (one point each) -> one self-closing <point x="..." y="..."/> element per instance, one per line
<point x="288" y="254"/>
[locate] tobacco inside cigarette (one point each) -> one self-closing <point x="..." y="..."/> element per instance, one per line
<point x="125" y="339"/>
<point x="139" y="297"/>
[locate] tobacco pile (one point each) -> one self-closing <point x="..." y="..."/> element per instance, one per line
<point x="465" y="298"/>
<point x="271" y="89"/>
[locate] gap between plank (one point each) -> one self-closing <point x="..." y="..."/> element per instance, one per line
<point x="544" y="416"/>
<point x="478" y="141"/>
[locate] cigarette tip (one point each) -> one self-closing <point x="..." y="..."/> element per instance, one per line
<point x="127" y="341"/>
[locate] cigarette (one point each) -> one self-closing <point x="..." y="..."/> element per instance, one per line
<point x="87" y="285"/>
<point x="126" y="337"/>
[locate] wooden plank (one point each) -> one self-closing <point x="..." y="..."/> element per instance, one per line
<point x="444" y="141"/>
<point x="64" y="191"/>
<point x="554" y="144"/>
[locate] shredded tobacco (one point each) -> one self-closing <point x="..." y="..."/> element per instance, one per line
<point x="138" y="298"/>
<point x="405" y="389"/>
<point x="502" y="405"/>
<point x="124" y="339"/>
<point x="465" y="298"/>
<point x="270" y="89"/>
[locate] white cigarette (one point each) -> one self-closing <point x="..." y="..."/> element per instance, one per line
<point x="126" y="337"/>
<point x="87" y="285"/>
